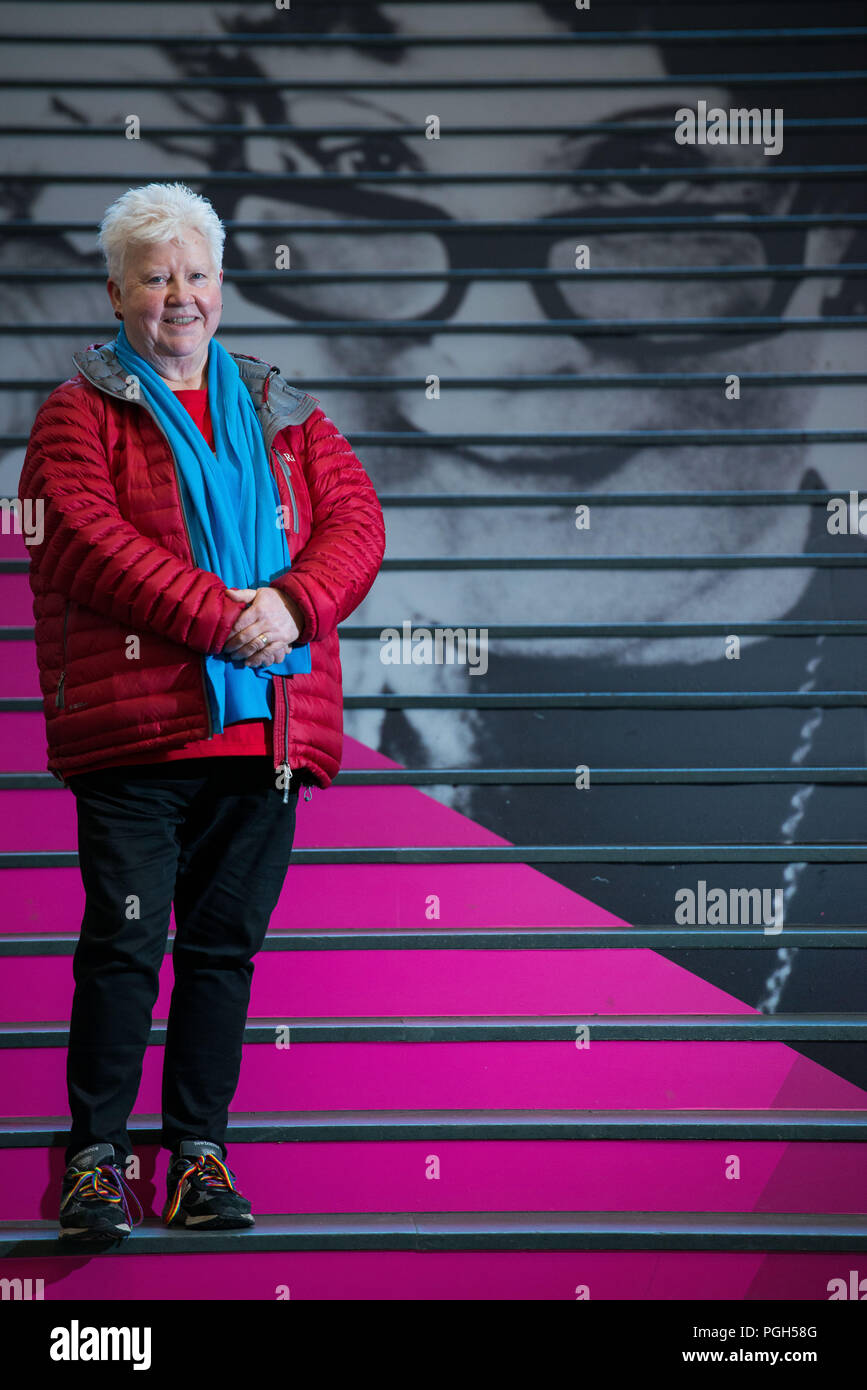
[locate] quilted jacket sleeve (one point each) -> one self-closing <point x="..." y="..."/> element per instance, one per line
<point x="336" y="568"/>
<point x="91" y="553"/>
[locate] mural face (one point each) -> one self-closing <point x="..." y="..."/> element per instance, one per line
<point x="729" y="207"/>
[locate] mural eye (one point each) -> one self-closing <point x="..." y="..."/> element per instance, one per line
<point x="374" y="155"/>
<point x="644" y="156"/>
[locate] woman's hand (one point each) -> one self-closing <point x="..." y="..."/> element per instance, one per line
<point x="268" y="614"/>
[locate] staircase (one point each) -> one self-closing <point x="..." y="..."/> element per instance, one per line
<point x="462" y="1079"/>
<point x="483" y="1104"/>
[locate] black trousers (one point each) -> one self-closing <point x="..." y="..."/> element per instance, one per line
<point x="214" y="836"/>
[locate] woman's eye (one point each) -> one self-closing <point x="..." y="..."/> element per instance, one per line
<point x="160" y="279"/>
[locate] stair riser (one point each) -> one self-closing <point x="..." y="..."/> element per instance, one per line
<point x="471" y="1075"/>
<point x="17" y="594"/>
<point x="490" y="1175"/>
<point x="402" y="983"/>
<point x="341" y="897"/>
<point x="19" y="673"/>
<point x="490" y="1275"/>
<point x="45" y="820"/>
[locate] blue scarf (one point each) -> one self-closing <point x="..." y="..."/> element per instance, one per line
<point x="232" y="505"/>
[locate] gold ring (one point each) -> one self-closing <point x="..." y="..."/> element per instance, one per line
<point x="264" y="640"/>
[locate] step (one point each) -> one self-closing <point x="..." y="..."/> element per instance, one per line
<point x="359" y="897"/>
<point x="475" y="1231"/>
<point x="306" y="1126"/>
<point x="44" y="822"/>
<point x="619" y="1075"/>
<point x="411" y="983"/>
<point x="411" y="1274"/>
<point x="37" y="944"/>
<point x="371" y="1173"/>
<point x="579" y="1030"/>
<point x="394" y="823"/>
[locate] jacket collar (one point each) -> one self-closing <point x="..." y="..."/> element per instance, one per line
<point x="281" y="404"/>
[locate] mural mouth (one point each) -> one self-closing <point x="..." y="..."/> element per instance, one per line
<point x="580" y="467"/>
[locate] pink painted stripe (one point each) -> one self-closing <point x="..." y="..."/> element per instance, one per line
<point x="487" y="1075"/>
<point x="490" y="1175"/>
<point x="22" y="741"/>
<point x="13" y="546"/>
<point x="45" y="820"/>
<point x="17" y="595"/>
<point x="400" y="983"/>
<point x="348" y="897"/>
<point x="547" y="1276"/>
<point x="19" y="673"/>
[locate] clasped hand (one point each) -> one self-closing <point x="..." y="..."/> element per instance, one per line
<point x="268" y="614"/>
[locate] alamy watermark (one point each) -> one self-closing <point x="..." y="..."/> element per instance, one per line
<point x="21" y="1290"/>
<point x="18" y="518"/>
<point x="738" y="126"/>
<point x="77" y="1343"/>
<point x="719" y="907"/>
<point x="847" y="517"/>
<point x="439" y="646"/>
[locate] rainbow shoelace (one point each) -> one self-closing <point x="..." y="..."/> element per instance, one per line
<point x="106" y="1183"/>
<point x="213" y="1173"/>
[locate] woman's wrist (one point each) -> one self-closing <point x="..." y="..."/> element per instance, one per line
<point x="295" y="612"/>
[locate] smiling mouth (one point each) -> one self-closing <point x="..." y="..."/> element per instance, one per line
<point x="181" y="321"/>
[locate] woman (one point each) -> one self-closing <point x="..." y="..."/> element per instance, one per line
<point x="206" y="529"/>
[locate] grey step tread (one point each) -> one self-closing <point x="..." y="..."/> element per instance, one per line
<point x="439" y="1231"/>
<point x="389" y="1125"/>
<point x="798" y="851"/>
<point x="662" y="938"/>
<point x="824" y="1027"/>
<point x="497" y="776"/>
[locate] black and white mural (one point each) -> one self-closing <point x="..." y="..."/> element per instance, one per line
<point x="490" y="157"/>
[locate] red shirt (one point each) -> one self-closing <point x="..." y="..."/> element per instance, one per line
<point x="248" y="736"/>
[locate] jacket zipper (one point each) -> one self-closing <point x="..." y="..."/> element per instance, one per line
<point x="308" y="791"/>
<point x="288" y="476"/>
<point x="284" y="681"/>
<point x="286" y="763"/>
<point x="192" y="553"/>
<point x="58" y="699"/>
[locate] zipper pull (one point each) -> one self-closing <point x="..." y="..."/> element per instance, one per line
<point x="308" y="793"/>
<point x="288" y="781"/>
<point x="58" y="699"/>
<point x="266" y="386"/>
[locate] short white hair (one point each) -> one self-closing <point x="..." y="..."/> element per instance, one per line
<point x="157" y="212"/>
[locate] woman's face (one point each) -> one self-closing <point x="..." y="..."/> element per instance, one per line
<point x="171" y="302"/>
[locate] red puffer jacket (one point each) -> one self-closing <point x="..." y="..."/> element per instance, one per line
<point x="116" y="562"/>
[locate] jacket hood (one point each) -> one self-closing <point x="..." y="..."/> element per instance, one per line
<point x="271" y="392"/>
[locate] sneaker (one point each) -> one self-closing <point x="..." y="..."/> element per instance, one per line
<point x="201" y="1190"/>
<point x="93" y="1205"/>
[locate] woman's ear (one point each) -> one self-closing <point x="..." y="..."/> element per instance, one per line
<point x="115" y="296"/>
